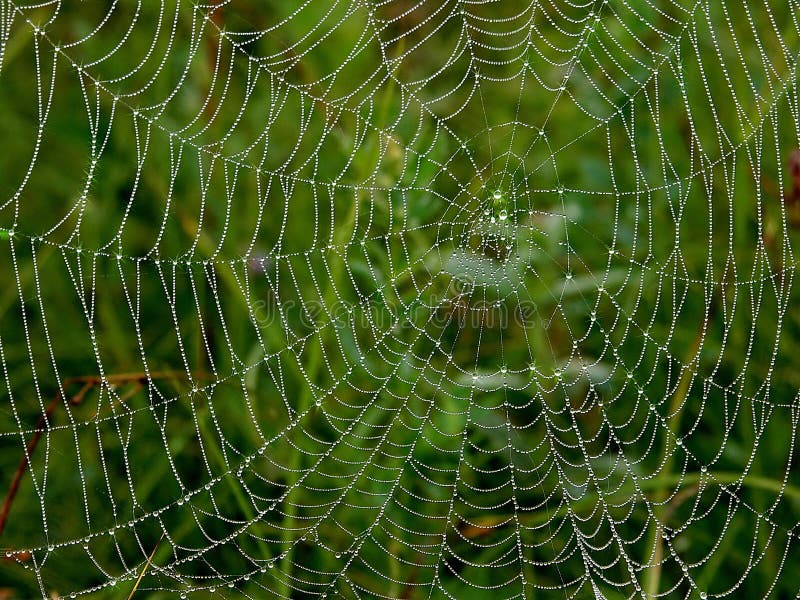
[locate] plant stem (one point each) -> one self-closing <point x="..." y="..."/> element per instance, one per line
<point x="656" y="538"/>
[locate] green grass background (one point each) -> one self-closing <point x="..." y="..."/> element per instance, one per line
<point x="673" y="225"/>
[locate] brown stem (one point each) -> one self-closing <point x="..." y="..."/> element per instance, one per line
<point x="12" y="489"/>
<point x="89" y="382"/>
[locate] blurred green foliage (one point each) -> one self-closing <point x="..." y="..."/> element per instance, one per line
<point x="198" y="217"/>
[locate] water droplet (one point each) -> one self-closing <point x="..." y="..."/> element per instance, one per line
<point x="318" y="402"/>
<point x="503" y="215"/>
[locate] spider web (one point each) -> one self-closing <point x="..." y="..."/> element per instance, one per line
<point x="399" y="299"/>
